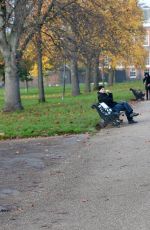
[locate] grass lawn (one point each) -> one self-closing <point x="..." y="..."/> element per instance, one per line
<point x="57" y="116"/>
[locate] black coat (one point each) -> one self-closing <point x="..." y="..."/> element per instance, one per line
<point x="146" y="80"/>
<point x="107" y="98"/>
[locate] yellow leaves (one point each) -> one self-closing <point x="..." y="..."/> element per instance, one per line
<point x="31" y="55"/>
<point x="110" y="25"/>
<point x="124" y="35"/>
<point x="46" y="65"/>
<point x="34" y="70"/>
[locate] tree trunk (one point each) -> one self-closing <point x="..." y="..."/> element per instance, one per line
<point x="12" y="88"/>
<point x="114" y="76"/>
<point x="40" y="68"/>
<point x="74" y="77"/>
<point x="27" y="86"/>
<point x="96" y="73"/>
<point x="110" y="77"/>
<point x="88" y="77"/>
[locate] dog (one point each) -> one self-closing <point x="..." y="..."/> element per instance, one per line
<point x="139" y="95"/>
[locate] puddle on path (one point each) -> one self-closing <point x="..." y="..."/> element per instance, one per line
<point x="8" y="192"/>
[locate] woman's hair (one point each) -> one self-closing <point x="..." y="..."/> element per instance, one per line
<point x="146" y="74"/>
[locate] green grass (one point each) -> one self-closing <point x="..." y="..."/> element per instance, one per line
<point x="57" y="116"/>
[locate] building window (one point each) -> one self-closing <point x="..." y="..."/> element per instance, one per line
<point x="146" y="41"/>
<point x="132" y="73"/>
<point x="148" y="61"/>
<point x="146" y="14"/>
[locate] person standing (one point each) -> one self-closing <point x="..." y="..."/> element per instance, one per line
<point x="146" y="81"/>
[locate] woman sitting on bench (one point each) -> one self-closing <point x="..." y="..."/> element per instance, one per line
<point x="107" y="97"/>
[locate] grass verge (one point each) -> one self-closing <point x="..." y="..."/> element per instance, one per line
<point x="69" y="116"/>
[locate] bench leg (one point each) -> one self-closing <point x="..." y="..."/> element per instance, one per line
<point x="116" y="123"/>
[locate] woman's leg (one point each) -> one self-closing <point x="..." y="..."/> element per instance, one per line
<point x="147" y="94"/>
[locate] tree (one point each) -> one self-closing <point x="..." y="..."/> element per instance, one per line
<point x="40" y="54"/>
<point x="14" y="16"/>
<point x="23" y="72"/>
<point x="65" y="40"/>
<point x="17" y="27"/>
<point x="120" y="33"/>
<point x="2" y="74"/>
<point x="95" y="28"/>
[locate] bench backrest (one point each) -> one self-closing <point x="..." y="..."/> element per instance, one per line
<point x="105" y="109"/>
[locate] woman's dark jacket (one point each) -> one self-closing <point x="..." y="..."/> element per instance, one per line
<point x="146" y="80"/>
<point x="107" y="98"/>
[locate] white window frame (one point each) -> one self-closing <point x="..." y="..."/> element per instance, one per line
<point x="146" y="41"/>
<point x="148" y="60"/>
<point x="132" y="73"/>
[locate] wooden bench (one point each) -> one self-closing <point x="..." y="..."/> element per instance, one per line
<point x="107" y="115"/>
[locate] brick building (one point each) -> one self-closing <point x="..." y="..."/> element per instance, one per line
<point x="146" y="10"/>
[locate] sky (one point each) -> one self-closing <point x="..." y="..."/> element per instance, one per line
<point x="146" y="2"/>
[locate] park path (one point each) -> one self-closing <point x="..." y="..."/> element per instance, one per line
<point x="78" y="182"/>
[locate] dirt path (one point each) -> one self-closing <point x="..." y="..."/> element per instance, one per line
<point x="78" y="182"/>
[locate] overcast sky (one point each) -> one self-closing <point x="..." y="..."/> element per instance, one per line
<point x="146" y="2"/>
